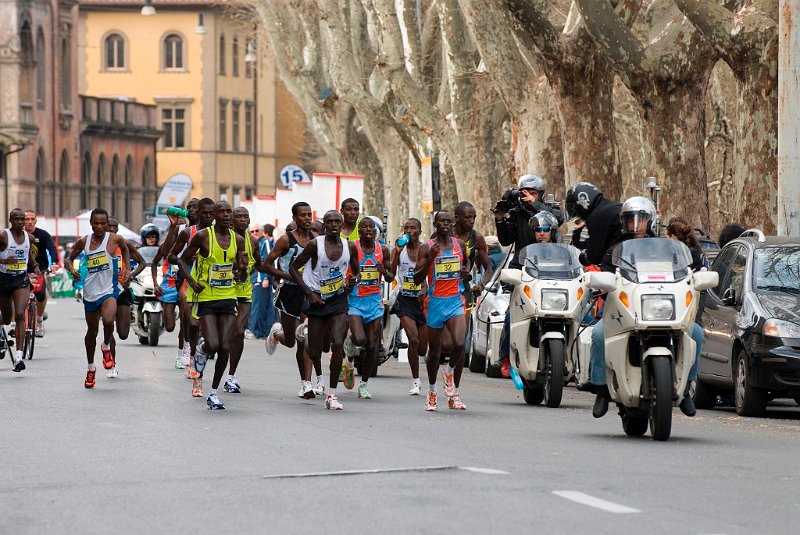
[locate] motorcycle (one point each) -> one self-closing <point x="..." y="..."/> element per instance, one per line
<point x="146" y="313"/>
<point x="549" y="301"/>
<point x="651" y="306"/>
<point x="390" y="342"/>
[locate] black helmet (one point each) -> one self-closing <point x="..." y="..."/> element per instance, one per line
<point x="148" y="230"/>
<point x="532" y="182"/>
<point x="581" y="199"/>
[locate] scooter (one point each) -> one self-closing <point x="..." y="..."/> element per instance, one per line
<point x="549" y="300"/>
<point x="146" y="313"/>
<point x="651" y="306"/>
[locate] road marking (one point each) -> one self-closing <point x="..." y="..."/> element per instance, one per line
<point x="597" y="503"/>
<point x="489" y="471"/>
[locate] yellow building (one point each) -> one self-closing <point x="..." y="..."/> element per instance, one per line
<point x="220" y="114"/>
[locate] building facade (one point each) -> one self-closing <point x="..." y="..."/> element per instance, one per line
<point x="219" y="113"/>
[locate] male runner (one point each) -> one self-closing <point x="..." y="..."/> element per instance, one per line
<point x="101" y="287"/>
<point x="326" y="259"/>
<point x="442" y="261"/>
<point x="408" y="305"/>
<point x="44" y="251"/>
<point x="125" y="297"/>
<point x="15" y="287"/>
<point x="350" y="211"/>
<point x="221" y="256"/>
<point x="366" y="300"/>
<point x="289" y="300"/>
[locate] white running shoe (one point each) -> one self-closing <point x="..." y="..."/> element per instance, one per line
<point x="185" y="354"/>
<point x="271" y="343"/>
<point x="415" y="388"/>
<point x="319" y="388"/>
<point x="332" y="404"/>
<point x="112" y="373"/>
<point x="308" y="390"/>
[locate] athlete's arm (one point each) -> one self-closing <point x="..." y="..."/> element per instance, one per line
<point x="139" y="259"/>
<point x="118" y="241"/>
<point x="355" y="269"/>
<point x="197" y="243"/>
<point x="482" y="257"/>
<point x="183" y="238"/>
<point x="241" y="255"/>
<point x="154" y="272"/>
<point x="465" y="276"/>
<point x="79" y="246"/>
<point x="270" y="263"/>
<point x="172" y="235"/>
<point x="388" y="269"/>
<point x="50" y="247"/>
<point x="309" y="253"/>
<point x="3" y="241"/>
<point x="395" y="259"/>
<point x="423" y="262"/>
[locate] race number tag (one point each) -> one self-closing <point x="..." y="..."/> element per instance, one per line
<point x="369" y="276"/>
<point x="221" y="275"/>
<point x="20" y="265"/>
<point x="409" y="288"/>
<point x="331" y="287"/>
<point x="447" y="267"/>
<point x="98" y="262"/>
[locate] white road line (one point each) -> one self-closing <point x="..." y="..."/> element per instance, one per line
<point x="597" y="503"/>
<point x="490" y="471"/>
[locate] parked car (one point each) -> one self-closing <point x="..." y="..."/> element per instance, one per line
<point x="486" y="326"/>
<point x="751" y="322"/>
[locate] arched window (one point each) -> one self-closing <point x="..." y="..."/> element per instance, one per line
<point x="86" y="181"/>
<point x="40" y="173"/>
<point x="235" y="56"/>
<point x="41" y="70"/>
<point x="60" y="188"/>
<point x="114" y="51"/>
<point x="112" y="192"/>
<point x="100" y="182"/>
<point x="222" y="55"/>
<point x="27" y="61"/>
<point x="125" y="191"/>
<point x="150" y="189"/>
<point x="173" y="52"/>
<point x="66" y="74"/>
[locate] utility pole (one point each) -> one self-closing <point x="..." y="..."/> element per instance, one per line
<point x="789" y="119"/>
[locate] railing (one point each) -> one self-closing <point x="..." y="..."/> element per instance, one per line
<point x="116" y="111"/>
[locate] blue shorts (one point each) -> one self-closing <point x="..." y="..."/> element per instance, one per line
<point x="94" y="306"/>
<point x="369" y="307"/>
<point x="170" y="294"/>
<point x="440" y="309"/>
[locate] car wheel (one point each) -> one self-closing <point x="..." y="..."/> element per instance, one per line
<point x="477" y="362"/>
<point x="492" y="370"/>
<point x="749" y="401"/>
<point x="705" y="395"/>
<point x="797" y="399"/>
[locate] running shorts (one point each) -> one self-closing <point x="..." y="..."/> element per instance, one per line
<point x="290" y="300"/>
<point x="369" y="307"/>
<point x="125" y="298"/>
<point x="331" y="307"/>
<point x="11" y="283"/>
<point x="170" y="295"/>
<point x="214" y="308"/>
<point x="409" y="307"/>
<point x="440" y="309"/>
<point x="94" y="306"/>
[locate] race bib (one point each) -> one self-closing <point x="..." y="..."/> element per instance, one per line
<point x="20" y="265"/>
<point x="447" y="267"/>
<point x="409" y="288"/>
<point x="221" y="275"/>
<point x="98" y="262"/>
<point x="370" y="276"/>
<point x="331" y="287"/>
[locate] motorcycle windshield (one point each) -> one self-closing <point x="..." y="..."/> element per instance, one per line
<point x="551" y="261"/>
<point x="652" y="260"/>
<point x="148" y="253"/>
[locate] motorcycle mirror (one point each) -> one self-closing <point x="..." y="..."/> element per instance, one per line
<point x="729" y="297"/>
<point x="704" y="280"/>
<point x="602" y="281"/>
<point x="511" y="276"/>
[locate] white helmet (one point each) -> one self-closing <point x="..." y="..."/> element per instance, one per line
<point x="638" y="209"/>
<point x="532" y="182"/>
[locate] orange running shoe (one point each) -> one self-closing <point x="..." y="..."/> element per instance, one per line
<point x="197" y="387"/>
<point x="108" y="357"/>
<point x="89" y="382"/>
<point x="456" y="404"/>
<point x="449" y="385"/>
<point x="430" y="404"/>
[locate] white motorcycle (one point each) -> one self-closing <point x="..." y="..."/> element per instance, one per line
<point x="651" y="306"/>
<point x="549" y="300"/>
<point x="146" y="313"/>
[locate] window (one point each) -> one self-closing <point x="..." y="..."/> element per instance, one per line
<point x="235" y="56"/>
<point x="115" y="52"/>
<point x="27" y="56"/>
<point x="237" y="196"/>
<point x="41" y="70"/>
<point x="248" y="126"/>
<point x="223" y="125"/>
<point x="66" y="74"/>
<point x="100" y="181"/>
<point x="173" y="123"/>
<point x="86" y="180"/>
<point x="248" y="66"/>
<point x="41" y="169"/>
<point x="60" y="188"/>
<point x="127" y="183"/>
<point x="223" y="193"/>
<point x="235" y="125"/>
<point x="173" y="52"/>
<point x="222" y="55"/>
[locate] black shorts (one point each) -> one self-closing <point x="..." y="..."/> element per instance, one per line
<point x="125" y="298"/>
<point x="41" y="295"/>
<point x="290" y="299"/>
<point x="331" y="307"/>
<point x="216" y="308"/>
<point x="409" y="307"/>
<point x="11" y="283"/>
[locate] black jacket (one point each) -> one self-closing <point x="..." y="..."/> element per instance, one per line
<point x="515" y="227"/>
<point x="42" y="246"/>
<point x="605" y="230"/>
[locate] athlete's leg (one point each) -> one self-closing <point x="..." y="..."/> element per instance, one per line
<point x="357" y="330"/>
<point x="225" y="323"/>
<point x="123" y="319"/>
<point x="373" y="332"/>
<point x="289" y="324"/>
<point x="6" y="309"/>
<point x="316" y="326"/>
<point x="432" y="358"/>
<point x="108" y="313"/>
<point x="169" y="316"/>
<point x="20" y="298"/>
<point x="237" y="335"/>
<point x="337" y="327"/>
<point x="457" y="327"/>
<point x="412" y="334"/>
<point x="90" y="340"/>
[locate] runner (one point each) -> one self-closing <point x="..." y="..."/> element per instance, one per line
<point x="125" y="297"/>
<point x="408" y="306"/>
<point x="44" y="251"/>
<point x="350" y="210"/>
<point x="442" y="262"/>
<point x="100" y="288"/>
<point x="167" y="290"/>
<point x="366" y="300"/>
<point x="16" y="261"/>
<point x="221" y="256"/>
<point x="244" y="295"/>
<point x="289" y="300"/>
<point x="326" y="259"/>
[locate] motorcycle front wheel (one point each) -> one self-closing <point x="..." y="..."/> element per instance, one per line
<point x="154" y="329"/>
<point x="554" y="381"/>
<point x="660" y="398"/>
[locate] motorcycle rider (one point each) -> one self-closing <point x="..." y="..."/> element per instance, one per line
<point x="599" y="215"/>
<point x="513" y="212"/>
<point x="638" y="215"/>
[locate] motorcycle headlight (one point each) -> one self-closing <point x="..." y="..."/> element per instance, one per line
<point x="658" y="307"/>
<point x="781" y="329"/>
<point x="554" y="299"/>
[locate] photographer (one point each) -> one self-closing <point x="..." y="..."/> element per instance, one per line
<point x="513" y="212"/>
<point x="600" y="217"/>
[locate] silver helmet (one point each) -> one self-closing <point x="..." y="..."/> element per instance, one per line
<point x="544" y="219"/>
<point x="638" y="209"/>
<point x="532" y="182"/>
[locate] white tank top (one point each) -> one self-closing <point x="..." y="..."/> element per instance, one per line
<point x="327" y="277"/>
<point x="101" y="276"/>
<point x="19" y="252"/>
<point x="405" y="275"/>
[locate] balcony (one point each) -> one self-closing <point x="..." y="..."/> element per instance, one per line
<point x="117" y="116"/>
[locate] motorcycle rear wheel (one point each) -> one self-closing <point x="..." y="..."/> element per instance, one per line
<point x="635" y="426"/>
<point x="660" y="398"/>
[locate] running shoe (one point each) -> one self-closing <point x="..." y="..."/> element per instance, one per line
<point x="302" y="392"/>
<point x="113" y="373"/>
<point x="271" y="343"/>
<point x="90" y="382"/>
<point x="200" y="358"/>
<point x="179" y="360"/>
<point x="249" y="334"/>
<point x="19" y="362"/>
<point x="341" y="372"/>
<point x="40" y="328"/>
<point x="456" y="404"/>
<point x="108" y="357"/>
<point x="363" y="391"/>
<point x="505" y="368"/>
<point x="332" y="403"/>
<point x="415" y="388"/>
<point x="197" y="387"/>
<point x="232" y="386"/>
<point x="214" y="404"/>
<point x="186" y="354"/>
<point x="449" y="385"/>
<point x="349" y="377"/>
<point x="190" y="371"/>
<point x="430" y="403"/>
<point x="308" y="391"/>
<point x="319" y="388"/>
<point x="301" y="332"/>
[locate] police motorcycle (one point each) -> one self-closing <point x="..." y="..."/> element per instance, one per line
<point x="549" y="301"/>
<point x="146" y="313"/>
<point x="649" y="311"/>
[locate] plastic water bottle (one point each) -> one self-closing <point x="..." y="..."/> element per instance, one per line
<point x="403" y="240"/>
<point x="174" y="210"/>
<point x="517" y="379"/>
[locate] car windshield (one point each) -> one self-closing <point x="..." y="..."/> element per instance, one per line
<point x="551" y="261"/>
<point x="652" y="260"/>
<point x="777" y="269"/>
<point x="148" y="252"/>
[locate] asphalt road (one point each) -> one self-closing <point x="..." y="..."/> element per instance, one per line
<point x="139" y="454"/>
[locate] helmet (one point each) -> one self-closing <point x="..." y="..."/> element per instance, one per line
<point x="149" y="229"/>
<point x="378" y="226"/>
<point x="544" y="219"/>
<point x="532" y="182"/>
<point x="638" y="208"/>
<point x="581" y="199"/>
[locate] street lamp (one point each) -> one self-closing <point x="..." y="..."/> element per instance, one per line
<point x="148" y="8"/>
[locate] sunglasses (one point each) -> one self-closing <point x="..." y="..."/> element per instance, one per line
<point x="256" y="231"/>
<point x="542" y="229"/>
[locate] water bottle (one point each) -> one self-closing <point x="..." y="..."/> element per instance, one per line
<point x="517" y="379"/>
<point x="403" y="240"/>
<point x="174" y="210"/>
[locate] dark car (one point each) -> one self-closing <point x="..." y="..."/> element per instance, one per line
<point x="751" y="322"/>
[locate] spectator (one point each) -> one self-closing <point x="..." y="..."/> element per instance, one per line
<point x="257" y="325"/>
